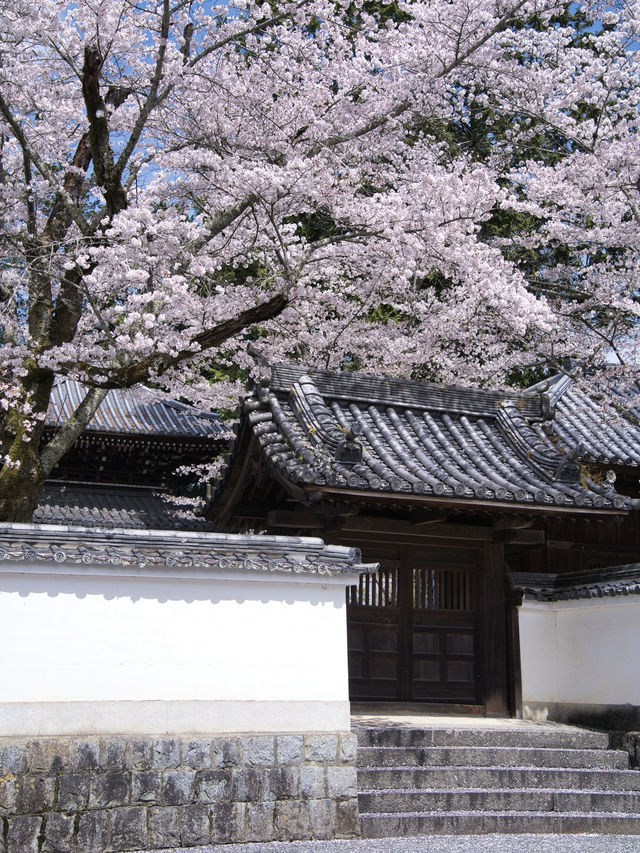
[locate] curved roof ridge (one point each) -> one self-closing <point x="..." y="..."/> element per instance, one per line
<point x="396" y="391"/>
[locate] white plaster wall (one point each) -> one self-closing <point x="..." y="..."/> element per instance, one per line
<point x="228" y="643"/>
<point x="582" y="652"/>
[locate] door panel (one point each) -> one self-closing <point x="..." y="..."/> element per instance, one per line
<point x="412" y="630"/>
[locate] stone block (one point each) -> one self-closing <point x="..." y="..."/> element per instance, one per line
<point x="129" y="828"/>
<point x="93" y="832"/>
<point x="35" y="794"/>
<point x="312" y="782"/>
<point x="137" y="754"/>
<point x="73" y="792"/>
<point x="109" y="790"/>
<point x="195" y="827"/>
<point x="23" y="834"/>
<point x="8" y="794"/>
<point x="348" y="748"/>
<point x="347" y="819"/>
<point x="289" y="749"/>
<point x="282" y="783"/>
<point x="178" y="787"/>
<point x="226" y="752"/>
<point x="112" y="753"/>
<point x="247" y="785"/>
<point x="85" y="755"/>
<point x="146" y="787"/>
<point x="164" y="827"/>
<point x="196" y="753"/>
<point x="227" y="823"/>
<point x="58" y="833"/>
<point x="213" y="786"/>
<point x="321" y="748"/>
<point x="322" y="818"/>
<point x="260" y="817"/>
<point x="631" y="742"/>
<point x="166" y="754"/>
<point x="259" y="750"/>
<point x="47" y="755"/>
<point x="13" y="758"/>
<point x="291" y="820"/>
<point x="341" y="781"/>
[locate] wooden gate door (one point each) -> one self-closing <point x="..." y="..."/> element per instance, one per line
<point x="412" y="629"/>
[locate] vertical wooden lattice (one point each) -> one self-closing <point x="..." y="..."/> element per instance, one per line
<point x="442" y="589"/>
<point x="377" y="589"/>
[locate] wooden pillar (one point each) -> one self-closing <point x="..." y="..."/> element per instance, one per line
<point x="493" y="630"/>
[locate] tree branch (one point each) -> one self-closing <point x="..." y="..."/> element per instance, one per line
<point x="152" y="98"/>
<point x="43" y="168"/>
<point x="156" y="365"/>
<point x="403" y="106"/>
<point x="62" y="441"/>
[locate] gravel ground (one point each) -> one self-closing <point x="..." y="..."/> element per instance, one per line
<point x="440" y="844"/>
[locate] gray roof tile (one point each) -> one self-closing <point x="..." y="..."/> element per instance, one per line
<point x="609" y="582"/>
<point x="419" y="439"/>
<point x="95" y="505"/>
<point x="597" y="428"/>
<point x="136" y="412"/>
<point x="81" y="548"/>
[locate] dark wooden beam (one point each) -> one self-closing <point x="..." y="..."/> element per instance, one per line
<point x="520" y="537"/>
<point x="506" y="523"/>
<point x="297" y="519"/>
<point x="432" y="518"/>
<point x="436" y="531"/>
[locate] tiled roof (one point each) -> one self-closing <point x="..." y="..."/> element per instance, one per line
<point x="381" y="436"/>
<point x="96" y="505"/>
<point x="595" y="583"/>
<point x="602" y="434"/>
<point x="137" y="411"/>
<point x="33" y="547"/>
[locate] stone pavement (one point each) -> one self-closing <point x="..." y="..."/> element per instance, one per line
<point x="440" y="844"/>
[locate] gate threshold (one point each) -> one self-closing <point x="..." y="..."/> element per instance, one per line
<point x="415" y="709"/>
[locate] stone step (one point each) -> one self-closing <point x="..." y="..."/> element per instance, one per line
<point x="413" y="778"/>
<point x="475" y="823"/>
<point x="546" y="736"/>
<point x="485" y="756"/>
<point x="496" y="800"/>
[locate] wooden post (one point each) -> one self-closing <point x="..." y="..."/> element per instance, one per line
<point x="493" y="627"/>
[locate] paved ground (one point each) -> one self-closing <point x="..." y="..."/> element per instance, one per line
<point x="397" y="718"/>
<point x="441" y="844"/>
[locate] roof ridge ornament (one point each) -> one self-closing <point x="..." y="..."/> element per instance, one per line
<point x="349" y="451"/>
<point x="565" y="468"/>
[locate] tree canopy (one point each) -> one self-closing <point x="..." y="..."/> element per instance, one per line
<point x="448" y="189"/>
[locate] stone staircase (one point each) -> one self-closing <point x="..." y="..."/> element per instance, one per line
<point x="456" y="780"/>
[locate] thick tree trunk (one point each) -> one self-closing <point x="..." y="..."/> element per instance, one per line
<point x="22" y="478"/>
<point x="31" y="462"/>
<point x="20" y="488"/>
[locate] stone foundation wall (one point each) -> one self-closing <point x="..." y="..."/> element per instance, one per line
<point x="93" y="795"/>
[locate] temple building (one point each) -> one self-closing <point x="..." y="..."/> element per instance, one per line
<point x="121" y="472"/>
<point x="470" y="501"/>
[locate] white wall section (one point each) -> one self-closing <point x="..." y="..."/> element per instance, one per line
<point x="88" y="650"/>
<point x="582" y="652"/>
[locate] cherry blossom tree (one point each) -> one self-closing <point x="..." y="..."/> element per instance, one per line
<point x="180" y="179"/>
